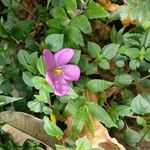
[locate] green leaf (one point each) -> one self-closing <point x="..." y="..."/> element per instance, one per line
<point x="41" y="66"/>
<point x="74" y="105"/>
<point x="76" y="56"/>
<point x="83" y="63"/>
<point x="146" y="133"/>
<point x="91" y="69"/>
<point x="71" y="6"/>
<point x="147" y="55"/>
<point x="90" y="122"/>
<point x="101" y="115"/>
<point x="79" y="120"/>
<point x="47" y="110"/>
<point x="3" y="61"/>
<point x="4" y="100"/>
<point x="132" y="39"/>
<point x="122" y="49"/>
<point x="40" y="83"/>
<point x="120" y="63"/>
<point x="3" y="32"/>
<point x="83" y="143"/>
<point x="31" y="69"/>
<point x="70" y="95"/>
<point x="141" y="104"/>
<point x="54" y="24"/>
<point x="132" y="53"/>
<point x="27" y="78"/>
<point x="73" y="34"/>
<point x="134" y="64"/>
<point x="82" y="23"/>
<point x="110" y="50"/>
<point x="43" y="96"/>
<point x="145" y="40"/>
<point x="95" y="11"/>
<point x="142" y="54"/>
<point x="23" y="57"/>
<point x="93" y="49"/>
<point x="22" y="28"/>
<point x="60" y="14"/>
<point x="6" y="87"/>
<point x="55" y="41"/>
<point x="2" y="79"/>
<point x="51" y="128"/>
<point x="104" y="64"/>
<point x="141" y="121"/>
<point x="116" y="36"/>
<point x="32" y="59"/>
<point x="11" y="3"/>
<point x="131" y="137"/>
<point x="60" y="147"/>
<point x="35" y="106"/>
<point x="123" y="110"/>
<point x="97" y="85"/>
<point x="31" y="44"/>
<point x="57" y="3"/>
<point x="124" y="79"/>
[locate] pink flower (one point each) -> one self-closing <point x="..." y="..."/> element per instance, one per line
<point x="58" y="71"/>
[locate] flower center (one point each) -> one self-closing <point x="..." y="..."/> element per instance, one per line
<point x="57" y="71"/>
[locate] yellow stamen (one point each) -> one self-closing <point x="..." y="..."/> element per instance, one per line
<point x="57" y="70"/>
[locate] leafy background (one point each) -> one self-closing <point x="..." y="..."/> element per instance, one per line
<point x="111" y="40"/>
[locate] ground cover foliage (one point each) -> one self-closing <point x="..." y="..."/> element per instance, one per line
<point x="108" y="107"/>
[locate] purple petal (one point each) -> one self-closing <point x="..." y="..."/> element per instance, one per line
<point x="48" y="59"/>
<point x="63" y="56"/>
<point x="71" y="72"/>
<point x="61" y="87"/>
<point x="58" y="83"/>
<point x="49" y="79"/>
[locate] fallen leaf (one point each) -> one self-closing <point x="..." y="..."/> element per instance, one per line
<point x="21" y="126"/>
<point x="100" y="32"/>
<point x="101" y="137"/>
<point x="113" y="90"/>
<point x="91" y="96"/>
<point x="108" y="5"/>
<point x="16" y="135"/>
<point x="127" y="21"/>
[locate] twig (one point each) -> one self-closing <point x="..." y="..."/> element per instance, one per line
<point x="135" y="117"/>
<point x="140" y="80"/>
<point x="26" y="9"/>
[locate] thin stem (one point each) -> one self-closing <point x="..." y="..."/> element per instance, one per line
<point x="26" y="9"/>
<point x="140" y="80"/>
<point x="135" y="117"/>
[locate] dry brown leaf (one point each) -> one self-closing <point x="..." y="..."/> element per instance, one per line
<point x="108" y="5"/>
<point x="100" y="32"/>
<point x="127" y="21"/>
<point x="16" y="135"/>
<point x="91" y="96"/>
<point x="68" y="122"/>
<point x="113" y="7"/>
<point x="113" y="90"/>
<point x="21" y="126"/>
<point x="101" y="137"/>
